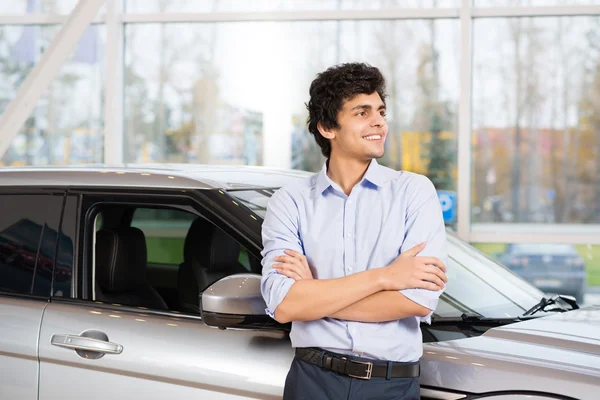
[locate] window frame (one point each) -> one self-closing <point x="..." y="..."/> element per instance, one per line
<point x="194" y="201"/>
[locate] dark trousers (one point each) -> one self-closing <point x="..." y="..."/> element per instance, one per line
<point x="307" y="381"/>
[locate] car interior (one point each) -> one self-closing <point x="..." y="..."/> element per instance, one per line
<point x="162" y="258"/>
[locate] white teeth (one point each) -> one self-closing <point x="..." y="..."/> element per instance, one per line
<point x="372" y="137"/>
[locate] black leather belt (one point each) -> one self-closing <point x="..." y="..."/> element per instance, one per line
<point x="358" y="369"/>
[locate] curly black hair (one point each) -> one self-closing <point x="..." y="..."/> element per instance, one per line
<point x="331" y="88"/>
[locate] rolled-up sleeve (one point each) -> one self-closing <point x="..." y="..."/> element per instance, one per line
<point x="280" y="232"/>
<point x="425" y="223"/>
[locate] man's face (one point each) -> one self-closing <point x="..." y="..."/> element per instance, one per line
<point x="362" y="129"/>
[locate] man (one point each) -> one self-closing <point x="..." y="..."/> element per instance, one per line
<point x="353" y="255"/>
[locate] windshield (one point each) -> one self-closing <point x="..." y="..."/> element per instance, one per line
<point x="476" y="284"/>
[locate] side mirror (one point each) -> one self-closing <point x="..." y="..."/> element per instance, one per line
<point x="236" y="302"/>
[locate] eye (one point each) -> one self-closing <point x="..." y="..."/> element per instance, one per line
<point x="361" y="114"/>
<point x="383" y="114"/>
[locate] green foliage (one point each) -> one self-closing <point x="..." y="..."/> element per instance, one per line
<point x="435" y="116"/>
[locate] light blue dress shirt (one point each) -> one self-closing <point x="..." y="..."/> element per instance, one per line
<point x="387" y="213"/>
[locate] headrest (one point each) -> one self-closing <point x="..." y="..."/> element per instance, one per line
<point x="209" y="246"/>
<point x="120" y="259"/>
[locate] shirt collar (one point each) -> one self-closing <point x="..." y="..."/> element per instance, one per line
<point x="323" y="181"/>
<point x="374" y="174"/>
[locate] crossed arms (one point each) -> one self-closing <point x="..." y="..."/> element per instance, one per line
<point x="408" y="286"/>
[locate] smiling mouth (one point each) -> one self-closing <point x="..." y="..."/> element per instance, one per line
<point x="373" y="137"/>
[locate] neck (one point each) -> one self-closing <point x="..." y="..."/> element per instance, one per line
<point x="346" y="172"/>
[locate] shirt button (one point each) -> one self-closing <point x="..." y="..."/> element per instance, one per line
<point x="349" y="201"/>
<point x="349" y="235"/>
<point x="349" y="268"/>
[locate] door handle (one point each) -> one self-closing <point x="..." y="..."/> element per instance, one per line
<point x="82" y="343"/>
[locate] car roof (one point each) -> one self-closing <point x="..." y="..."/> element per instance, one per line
<point x="175" y="176"/>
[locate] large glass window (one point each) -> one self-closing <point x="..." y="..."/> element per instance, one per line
<point x="554" y="268"/>
<point x="235" y="93"/>
<point x="278" y="5"/>
<point x="532" y="3"/>
<point x="66" y="126"/>
<point x="16" y="7"/>
<point x="536" y="124"/>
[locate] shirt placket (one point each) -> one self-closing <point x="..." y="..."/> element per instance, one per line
<point x="350" y="251"/>
<point x="349" y="239"/>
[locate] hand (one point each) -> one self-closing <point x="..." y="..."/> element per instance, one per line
<point x="410" y="271"/>
<point x="293" y="265"/>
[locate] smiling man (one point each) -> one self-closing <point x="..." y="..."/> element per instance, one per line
<point x="355" y="255"/>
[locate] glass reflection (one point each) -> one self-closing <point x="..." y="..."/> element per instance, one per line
<point x="66" y="125"/>
<point x="536" y="128"/>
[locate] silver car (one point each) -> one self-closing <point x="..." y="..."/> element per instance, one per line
<point x="143" y="282"/>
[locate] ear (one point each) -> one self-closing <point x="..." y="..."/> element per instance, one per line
<point x="326" y="133"/>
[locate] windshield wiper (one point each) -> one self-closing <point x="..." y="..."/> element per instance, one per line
<point x="474" y="317"/>
<point x="480" y="318"/>
<point x="554" y="300"/>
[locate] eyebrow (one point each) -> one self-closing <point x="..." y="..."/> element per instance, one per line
<point x="367" y="107"/>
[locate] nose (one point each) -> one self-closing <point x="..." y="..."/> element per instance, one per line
<point x="378" y="120"/>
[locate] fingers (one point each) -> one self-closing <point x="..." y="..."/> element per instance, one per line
<point x="434" y="275"/>
<point x="434" y="279"/>
<point x="297" y="262"/>
<point x="289" y="274"/>
<point x="413" y="251"/>
<point x="289" y="267"/>
<point x="294" y="254"/>
<point x="288" y="260"/>
<point x="433" y="261"/>
<point x="436" y="271"/>
<point x="289" y="270"/>
<point x="298" y="256"/>
<point x="429" y="285"/>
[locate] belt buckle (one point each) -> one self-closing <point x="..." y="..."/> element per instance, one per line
<point x="369" y="370"/>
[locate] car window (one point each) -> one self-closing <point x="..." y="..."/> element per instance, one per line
<point x="165" y="232"/>
<point x="170" y="279"/>
<point x="28" y="235"/>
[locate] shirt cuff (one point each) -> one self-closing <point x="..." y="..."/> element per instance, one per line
<point x="425" y="298"/>
<point x="275" y="289"/>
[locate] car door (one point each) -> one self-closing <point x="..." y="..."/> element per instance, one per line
<point x="104" y="350"/>
<point x="28" y="231"/>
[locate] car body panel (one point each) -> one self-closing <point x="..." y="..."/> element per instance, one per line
<point x="162" y="357"/>
<point x="168" y="176"/>
<point x="556" y="354"/>
<point x="21" y="319"/>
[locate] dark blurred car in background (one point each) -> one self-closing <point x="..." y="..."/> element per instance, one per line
<point x="553" y="268"/>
